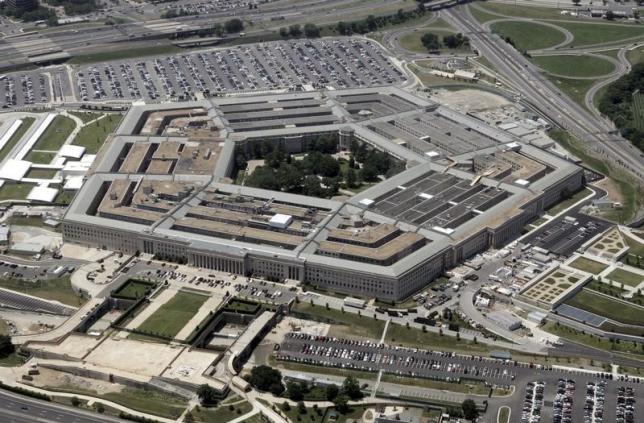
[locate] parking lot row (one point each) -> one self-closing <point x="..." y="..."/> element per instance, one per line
<point x="337" y="63"/>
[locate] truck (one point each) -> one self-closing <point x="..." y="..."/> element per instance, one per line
<point x="354" y="302"/>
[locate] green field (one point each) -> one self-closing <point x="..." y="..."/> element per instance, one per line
<point x="14" y="191"/>
<point x="574" y="66"/>
<point x="92" y="136"/>
<point x="56" y="133"/>
<point x="638" y="110"/>
<point x="26" y="221"/>
<point x="26" y="124"/>
<point x="40" y="157"/>
<point x="563" y="205"/>
<point x="411" y="41"/>
<point x="590" y="33"/>
<point x="41" y="173"/>
<point x="59" y="289"/>
<point x="529" y="35"/>
<point x="521" y="11"/>
<point x="86" y="116"/>
<point x="131" y="53"/>
<point x="12" y="360"/>
<point x="613" y="309"/>
<point x="134" y="289"/>
<point x="223" y="413"/>
<point x="504" y="415"/>
<point x="144" y="401"/>
<point x="410" y="337"/>
<point x="635" y="56"/>
<point x="625" y="277"/>
<point x="634" y="247"/>
<point x="346" y="324"/>
<point x="172" y="316"/>
<point x="633" y="197"/>
<point x="593" y="341"/>
<point x="588" y="265"/>
<point x="576" y="89"/>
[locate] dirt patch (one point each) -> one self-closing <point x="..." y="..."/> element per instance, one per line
<point x="613" y="191"/>
<point x="469" y="99"/>
<point x="56" y="379"/>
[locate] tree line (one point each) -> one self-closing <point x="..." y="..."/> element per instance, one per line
<point x="618" y="103"/>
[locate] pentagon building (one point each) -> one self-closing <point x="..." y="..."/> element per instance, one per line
<point x="164" y="185"/>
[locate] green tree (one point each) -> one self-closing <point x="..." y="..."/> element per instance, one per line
<point x="207" y="395"/>
<point x="332" y="391"/>
<point x="6" y="346"/>
<point x="351" y="388"/>
<point x="234" y="25"/>
<point x="265" y="378"/>
<point x="295" y="391"/>
<point x="311" y="30"/>
<point x="351" y="178"/>
<point x="341" y="403"/>
<point x="295" y="30"/>
<point x="469" y="409"/>
<point x="430" y="41"/>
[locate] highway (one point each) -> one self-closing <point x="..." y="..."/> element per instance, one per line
<point x="20" y="409"/>
<point x="521" y="75"/>
<point x="85" y="38"/>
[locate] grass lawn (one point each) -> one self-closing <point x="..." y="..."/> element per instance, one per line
<point x="529" y="35"/>
<point x="12" y="360"/>
<point x="125" y="54"/>
<point x="152" y="402"/>
<point x="411" y="41"/>
<point x="40" y="157"/>
<point x="607" y="307"/>
<point x="26" y="124"/>
<point x="64" y="197"/>
<point x="59" y="289"/>
<point x="464" y="386"/>
<point x="592" y="340"/>
<point x="589" y="33"/>
<point x="588" y="265"/>
<point x="625" y="277"/>
<point x="632" y="195"/>
<point x="223" y="413"/>
<point x="92" y="136"/>
<point x="576" y="89"/>
<point x="635" y="56"/>
<point x="13" y="191"/>
<point x="86" y="116"/>
<point x="563" y="205"/>
<point x="504" y="415"/>
<point x="172" y="316"/>
<point x="634" y="247"/>
<point x="574" y="66"/>
<point x="310" y="368"/>
<point x="522" y="11"/>
<point x="134" y="289"/>
<point x="55" y="134"/>
<point x="41" y="173"/>
<point x="4" y="328"/>
<point x="398" y="335"/>
<point x="26" y="221"/>
<point x="345" y="324"/>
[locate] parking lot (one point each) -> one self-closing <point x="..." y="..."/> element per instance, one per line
<point x="542" y="394"/>
<point x="563" y="236"/>
<point x="295" y="65"/>
<point x="219" y="283"/>
<point x="23" y="89"/>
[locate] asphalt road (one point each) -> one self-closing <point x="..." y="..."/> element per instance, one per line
<point x="19" y="409"/>
<point x="524" y="77"/>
